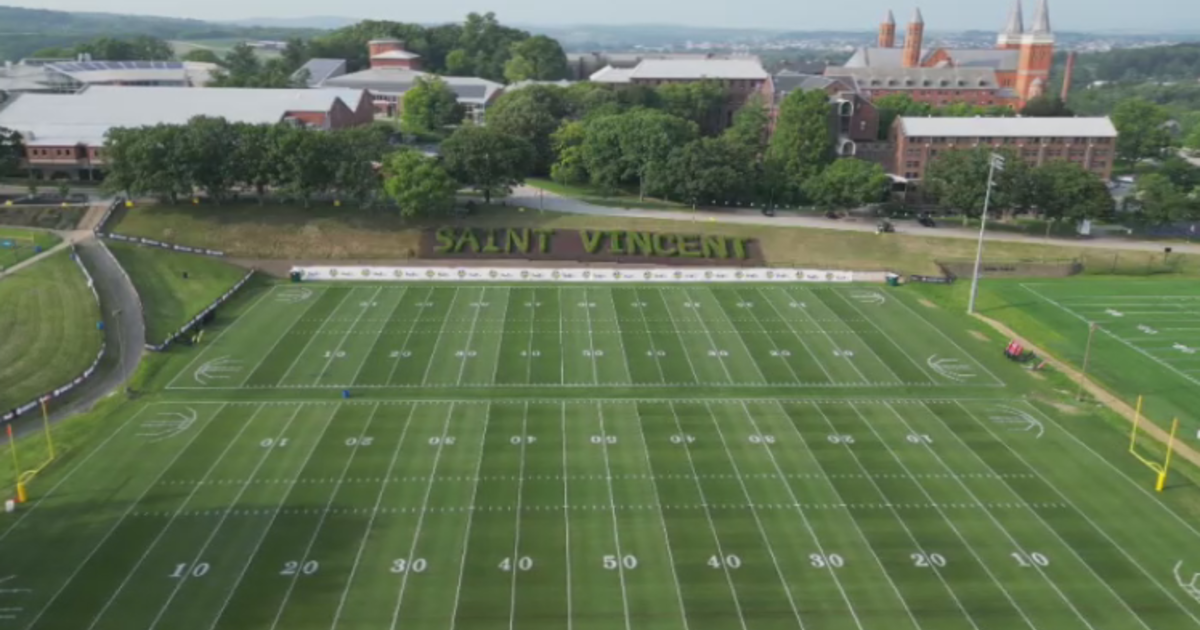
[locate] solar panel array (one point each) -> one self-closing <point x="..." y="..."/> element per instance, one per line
<point x="94" y="66"/>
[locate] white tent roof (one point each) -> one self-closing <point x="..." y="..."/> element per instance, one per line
<point x="1018" y="127"/>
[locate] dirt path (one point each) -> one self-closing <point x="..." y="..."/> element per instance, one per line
<point x="1104" y="396"/>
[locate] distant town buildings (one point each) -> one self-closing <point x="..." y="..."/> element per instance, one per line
<point x="64" y="134"/>
<point x="66" y="76"/>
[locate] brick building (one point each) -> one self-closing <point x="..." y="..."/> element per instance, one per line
<point x="64" y="134"/>
<point x="853" y="119"/>
<point x="1017" y="70"/>
<point x="1089" y="142"/>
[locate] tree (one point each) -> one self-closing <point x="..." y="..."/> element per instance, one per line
<point x="586" y="100"/>
<point x="625" y="148"/>
<point x="305" y="168"/>
<point x="206" y="146"/>
<point x="534" y="113"/>
<point x="1140" y="132"/>
<point x="1047" y="107"/>
<point x="538" y="58"/>
<point x="355" y="152"/>
<point x="419" y="185"/>
<point x="139" y="48"/>
<point x="893" y="106"/>
<point x="487" y="160"/>
<point x="698" y="101"/>
<point x="1069" y="192"/>
<point x="255" y="158"/>
<point x="11" y="152"/>
<point x="803" y="142"/>
<point x="430" y="107"/>
<point x="202" y="55"/>
<point x="957" y="179"/>
<point x="751" y="128"/>
<point x="1192" y="140"/>
<point x="243" y="68"/>
<point x="567" y="142"/>
<point x="848" y="183"/>
<point x="1160" y="201"/>
<point x="703" y="171"/>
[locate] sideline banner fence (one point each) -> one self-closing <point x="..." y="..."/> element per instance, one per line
<point x="13" y="414"/>
<point x="195" y="321"/>
<point x="572" y="274"/>
<point x="171" y="246"/>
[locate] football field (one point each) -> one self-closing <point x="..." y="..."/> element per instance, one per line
<point x="638" y="457"/>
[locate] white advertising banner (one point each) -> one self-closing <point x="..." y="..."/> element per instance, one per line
<point x="570" y="274"/>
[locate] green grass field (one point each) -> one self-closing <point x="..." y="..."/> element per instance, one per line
<point x="684" y="457"/>
<point x="1147" y="342"/>
<point x="168" y="299"/>
<point x="48" y="332"/>
<point x="18" y="245"/>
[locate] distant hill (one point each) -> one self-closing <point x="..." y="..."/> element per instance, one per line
<point x="321" y="22"/>
<point x="24" y="31"/>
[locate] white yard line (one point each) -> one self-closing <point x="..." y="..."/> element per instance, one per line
<point x="529" y="345"/>
<point x="174" y="516"/>
<point x="1016" y="544"/>
<point x="662" y="375"/>
<point x="774" y="346"/>
<point x="303" y="350"/>
<point x="566" y="513"/>
<point x="199" y="355"/>
<point x="1191" y="379"/>
<point x="466" y="543"/>
<point x="671" y="318"/>
<point x="438" y="342"/>
<point x="1067" y="501"/>
<point x="826" y="334"/>
<point x="562" y="355"/>
<point x="412" y="549"/>
<point x="712" y="343"/>
<point x="515" y="558"/>
<point x="271" y="523"/>
<point x="762" y="531"/>
<point x="591" y="338"/>
<point x="954" y="343"/>
<point x="121" y="520"/>
<point x="217" y="528"/>
<point x="312" y="540"/>
<point x="462" y="368"/>
<point x="378" y="335"/>
<point x="662" y="518"/>
<point x="612" y="504"/>
<point x="500" y="344"/>
<point x="620" y="338"/>
<point x="721" y="310"/>
<point x="712" y="527"/>
<point x="368" y="305"/>
<point x="362" y="543"/>
<point x="787" y="419"/>
<point x="949" y="522"/>
<point x="408" y="336"/>
<point x="798" y="336"/>
<point x="890" y="339"/>
<point x="49" y="493"/>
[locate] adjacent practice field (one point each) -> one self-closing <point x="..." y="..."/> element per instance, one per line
<point x="18" y="245"/>
<point x="1147" y="340"/>
<point x="438" y="337"/>
<point x="561" y="457"/>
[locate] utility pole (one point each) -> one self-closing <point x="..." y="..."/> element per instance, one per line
<point x="997" y="164"/>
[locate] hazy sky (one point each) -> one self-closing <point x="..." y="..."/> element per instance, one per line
<point x="790" y="14"/>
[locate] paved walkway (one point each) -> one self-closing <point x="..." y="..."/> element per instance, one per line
<point x="531" y="197"/>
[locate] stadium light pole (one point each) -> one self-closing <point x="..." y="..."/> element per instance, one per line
<point x="997" y="164"/>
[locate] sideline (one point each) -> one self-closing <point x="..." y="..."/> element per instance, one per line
<point x="533" y="197"/>
<point x="1182" y="449"/>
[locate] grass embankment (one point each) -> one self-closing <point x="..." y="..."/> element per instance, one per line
<point x="50" y="218"/>
<point x="17" y="245"/>
<point x="48" y="332"/>
<point x="597" y="197"/>
<point x="168" y="299"/>
<point x="327" y="233"/>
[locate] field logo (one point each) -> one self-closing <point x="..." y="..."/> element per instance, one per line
<point x="366" y="273"/>
<point x="293" y="295"/>
<point x="493" y="273"/>
<point x="951" y="368"/>
<point x="864" y="297"/>
<point x="217" y="369"/>
<point x="1016" y="420"/>
<point x="398" y="274"/>
<point x="333" y="273"/>
<point x="462" y="273"/>
<point x="168" y="424"/>
<point x="1191" y="586"/>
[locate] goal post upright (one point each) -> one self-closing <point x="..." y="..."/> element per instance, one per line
<point x="1162" y="476"/>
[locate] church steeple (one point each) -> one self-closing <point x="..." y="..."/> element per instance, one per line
<point x="887" y="31"/>
<point x="1010" y="37"/>
<point x="1041" y="19"/>
<point x="913" y="39"/>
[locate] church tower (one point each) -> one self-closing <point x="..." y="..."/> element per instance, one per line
<point x="887" y="31"/>
<point x="1036" y="55"/>
<point x="1010" y="37"/>
<point x="912" y="40"/>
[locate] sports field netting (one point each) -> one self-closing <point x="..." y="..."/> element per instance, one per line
<point x="692" y="457"/>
